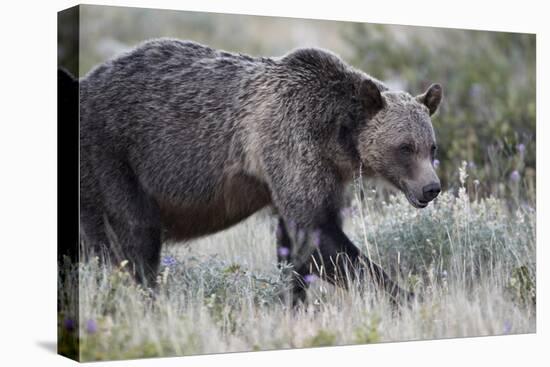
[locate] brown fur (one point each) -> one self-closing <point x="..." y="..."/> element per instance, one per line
<point x="179" y="140"/>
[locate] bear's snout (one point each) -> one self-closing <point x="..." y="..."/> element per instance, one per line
<point x="431" y="191"/>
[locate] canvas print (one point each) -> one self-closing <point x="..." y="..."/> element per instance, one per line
<point x="250" y="183"/>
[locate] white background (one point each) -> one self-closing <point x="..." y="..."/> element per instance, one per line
<point x="28" y="182"/>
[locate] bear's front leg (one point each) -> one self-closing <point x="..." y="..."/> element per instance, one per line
<point x="343" y="262"/>
<point x="285" y="250"/>
<point x="308" y="193"/>
<point x="325" y="251"/>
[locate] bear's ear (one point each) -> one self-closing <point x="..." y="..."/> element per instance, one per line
<point x="431" y="97"/>
<point x="370" y="95"/>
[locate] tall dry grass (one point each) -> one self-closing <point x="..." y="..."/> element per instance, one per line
<point x="472" y="260"/>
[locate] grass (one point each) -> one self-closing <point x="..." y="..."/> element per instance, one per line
<point x="472" y="260"/>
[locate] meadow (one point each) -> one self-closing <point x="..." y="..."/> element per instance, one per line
<point x="471" y="259"/>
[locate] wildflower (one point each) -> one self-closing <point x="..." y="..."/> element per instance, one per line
<point x="163" y="276"/>
<point x="514" y="176"/>
<point x="69" y="325"/>
<point x="462" y="174"/>
<point x="168" y="261"/>
<point x="436" y="163"/>
<point x="472" y="165"/>
<point x="91" y="326"/>
<point x="521" y="148"/>
<point x="283" y="251"/>
<point x="476" y="183"/>
<point x="476" y="91"/>
<point x="310" y="278"/>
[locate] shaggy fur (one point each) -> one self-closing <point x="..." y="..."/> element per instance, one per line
<point x="179" y="140"/>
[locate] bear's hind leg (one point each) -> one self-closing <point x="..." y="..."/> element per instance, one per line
<point x="93" y="236"/>
<point x="132" y="221"/>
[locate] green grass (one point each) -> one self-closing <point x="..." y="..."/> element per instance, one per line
<point x="473" y="262"/>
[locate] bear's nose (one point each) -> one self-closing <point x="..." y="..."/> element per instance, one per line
<point x="431" y="191"/>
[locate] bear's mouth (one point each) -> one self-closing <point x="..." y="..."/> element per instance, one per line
<point x="419" y="204"/>
<point x="402" y="186"/>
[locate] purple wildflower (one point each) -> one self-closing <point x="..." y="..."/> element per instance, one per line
<point x="69" y="325"/>
<point x="283" y="251"/>
<point x="476" y="91"/>
<point x="521" y="148"/>
<point x="514" y="176"/>
<point x="436" y="163"/>
<point x="310" y="278"/>
<point x="91" y="326"/>
<point x="168" y="261"/>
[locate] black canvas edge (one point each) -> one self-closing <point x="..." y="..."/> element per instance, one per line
<point x="68" y="187"/>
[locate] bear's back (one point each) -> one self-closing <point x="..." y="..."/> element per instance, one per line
<point x="163" y="82"/>
<point x="167" y="58"/>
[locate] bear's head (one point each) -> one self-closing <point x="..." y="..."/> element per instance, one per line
<point x="398" y="142"/>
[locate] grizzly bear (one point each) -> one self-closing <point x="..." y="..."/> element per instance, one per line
<point x="179" y="140"/>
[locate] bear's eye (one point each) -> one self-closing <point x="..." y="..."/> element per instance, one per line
<point x="406" y="149"/>
<point x="433" y="150"/>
